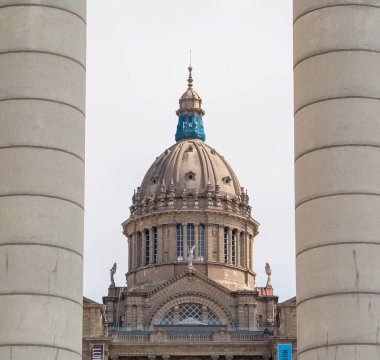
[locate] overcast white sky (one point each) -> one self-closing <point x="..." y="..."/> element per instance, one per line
<point x="137" y="59"/>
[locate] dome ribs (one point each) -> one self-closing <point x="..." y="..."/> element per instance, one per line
<point x="197" y="176"/>
<point x="204" y="169"/>
<point x="212" y="165"/>
<point x="177" y="168"/>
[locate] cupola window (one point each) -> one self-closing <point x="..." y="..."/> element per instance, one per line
<point x="138" y="237"/>
<point x="190" y="236"/>
<point x="179" y="242"/>
<point x="155" y="245"/>
<point x="233" y="245"/>
<point x="226" y="245"/>
<point x="147" y="247"/>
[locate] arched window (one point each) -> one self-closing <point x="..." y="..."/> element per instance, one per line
<point x="167" y="319"/>
<point x="179" y="242"/>
<point x="233" y="244"/>
<point x="138" y="240"/>
<point x="155" y="245"/>
<point x="242" y="252"/>
<point x="190" y="236"/>
<point x="147" y="247"/>
<point x="201" y="242"/>
<point x="191" y="314"/>
<point x="226" y="245"/>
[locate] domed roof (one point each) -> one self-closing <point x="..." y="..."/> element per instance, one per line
<point x="190" y="165"/>
<point x="190" y="174"/>
<point x="190" y="94"/>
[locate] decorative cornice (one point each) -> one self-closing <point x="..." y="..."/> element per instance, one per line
<point x="177" y="212"/>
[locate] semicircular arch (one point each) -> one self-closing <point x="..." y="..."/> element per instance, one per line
<point x="160" y="310"/>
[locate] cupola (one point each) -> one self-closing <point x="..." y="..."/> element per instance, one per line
<point x="190" y="112"/>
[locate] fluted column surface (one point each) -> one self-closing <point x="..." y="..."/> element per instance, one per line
<point x="337" y="174"/>
<point x="42" y="107"/>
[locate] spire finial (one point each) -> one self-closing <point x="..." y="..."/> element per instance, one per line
<point x="190" y="79"/>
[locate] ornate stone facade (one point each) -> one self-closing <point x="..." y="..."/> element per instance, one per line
<point x="190" y="289"/>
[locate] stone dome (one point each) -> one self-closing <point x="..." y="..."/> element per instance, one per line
<point x="190" y="94"/>
<point x="190" y="174"/>
<point x="191" y="165"/>
<point x="190" y="203"/>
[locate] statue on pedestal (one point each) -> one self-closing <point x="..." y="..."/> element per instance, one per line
<point x="113" y="271"/>
<point x="268" y="271"/>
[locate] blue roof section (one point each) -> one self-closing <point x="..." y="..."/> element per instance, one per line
<point x="190" y="127"/>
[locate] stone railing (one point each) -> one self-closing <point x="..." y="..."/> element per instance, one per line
<point x="130" y="337"/>
<point x="189" y="337"/>
<point x="162" y="336"/>
<point x="248" y="336"/>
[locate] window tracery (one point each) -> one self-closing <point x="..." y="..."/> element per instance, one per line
<point x="179" y="242"/>
<point x="191" y="314"/>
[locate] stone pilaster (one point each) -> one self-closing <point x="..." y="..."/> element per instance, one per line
<point x="220" y="237"/>
<point x="250" y="254"/>
<point x="160" y="244"/>
<point x="238" y="248"/>
<point x="129" y="241"/>
<point x="175" y="314"/>
<point x="211" y="241"/>
<point x="251" y="316"/>
<point x="172" y="239"/>
<point x="205" y="314"/>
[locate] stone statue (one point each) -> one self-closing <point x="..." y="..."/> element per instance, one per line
<point x="268" y="271"/>
<point x="190" y="257"/>
<point x="113" y="271"/>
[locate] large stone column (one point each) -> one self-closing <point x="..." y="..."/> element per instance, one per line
<point x="337" y="171"/>
<point x="42" y="106"/>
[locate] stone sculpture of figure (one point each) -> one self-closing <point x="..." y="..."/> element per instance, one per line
<point x="113" y="271"/>
<point x="190" y="257"/>
<point x="268" y="271"/>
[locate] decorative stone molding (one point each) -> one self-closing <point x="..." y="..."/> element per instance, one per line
<point x="221" y="311"/>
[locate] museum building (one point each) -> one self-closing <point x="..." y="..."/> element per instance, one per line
<point x="190" y="291"/>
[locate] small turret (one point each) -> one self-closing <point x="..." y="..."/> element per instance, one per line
<point x="190" y="123"/>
